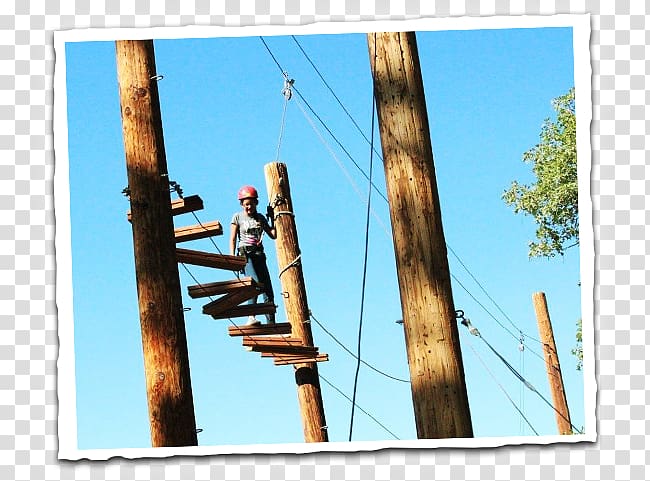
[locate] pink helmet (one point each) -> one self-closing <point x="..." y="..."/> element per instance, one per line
<point x="247" y="192"/>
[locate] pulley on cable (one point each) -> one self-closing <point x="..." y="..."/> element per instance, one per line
<point x="288" y="84"/>
<point x="287" y="93"/>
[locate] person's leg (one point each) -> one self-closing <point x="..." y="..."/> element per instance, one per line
<point x="263" y="276"/>
<point x="249" y="270"/>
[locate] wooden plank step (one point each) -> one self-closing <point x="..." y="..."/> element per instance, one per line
<point x="181" y="206"/>
<point x="271" y="350"/>
<point x="222" y="287"/>
<point x="260" y="329"/>
<point x="289" y="355"/>
<point x="231" y="299"/>
<point x="271" y="340"/>
<point x="207" y="259"/>
<point x="244" y="310"/>
<point x="285" y="360"/>
<point x="198" y="231"/>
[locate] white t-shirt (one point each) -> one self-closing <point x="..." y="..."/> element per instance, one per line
<point x="250" y="229"/>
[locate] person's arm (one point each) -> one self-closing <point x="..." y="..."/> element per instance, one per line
<point x="270" y="231"/>
<point x="233" y="238"/>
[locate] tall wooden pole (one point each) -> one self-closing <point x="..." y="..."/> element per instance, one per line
<point x="432" y="344"/>
<point x="552" y="364"/>
<point x="295" y="300"/>
<point x="166" y="363"/>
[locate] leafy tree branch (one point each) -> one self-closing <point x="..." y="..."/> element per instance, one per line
<point x="552" y="200"/>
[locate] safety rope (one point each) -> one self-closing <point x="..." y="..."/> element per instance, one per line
<point x="291" y="264"/>
<point x="365" y="264"/>
<point x="283" y="212"/>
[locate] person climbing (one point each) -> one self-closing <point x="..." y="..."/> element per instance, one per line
<point x="246" y="230"/>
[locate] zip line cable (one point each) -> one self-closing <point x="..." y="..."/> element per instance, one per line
<point x="381" y="194"/>
<point x="492" y="316"/>
<point x="489" y="297"/>
<point x="342" y="147"/>
<point x="354" y="122"/>
<point x="475" y="332"/>
<point x="363" y="282"/>
<point x="353" y="355"/>
<point x="341" y="166"/>
<point x="358" y="407"/>
<point x="523" y="416"/>
<point x="347" y="153"/>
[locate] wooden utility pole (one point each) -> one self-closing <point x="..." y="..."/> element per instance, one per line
<point x="295" y="300"/>
<point x="167" y="371"/>
<point x="432" y="343"/>
<point x="552" y="364"/>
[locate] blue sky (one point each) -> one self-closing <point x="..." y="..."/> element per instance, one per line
<point x="487" y="91"/>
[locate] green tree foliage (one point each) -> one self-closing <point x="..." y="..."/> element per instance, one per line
<point x="552" y="200"/>
<point x="577" y="351"/>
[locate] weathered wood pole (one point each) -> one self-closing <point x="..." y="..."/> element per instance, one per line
<point x="295" y="300"/>
<point x="432" y="343"/>
<point x="552" y="364"/>
<point x="166" y="363"/>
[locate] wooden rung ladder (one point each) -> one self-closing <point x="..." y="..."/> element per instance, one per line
<point x="270" y="340"/>
<point x="275" y="341"/>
